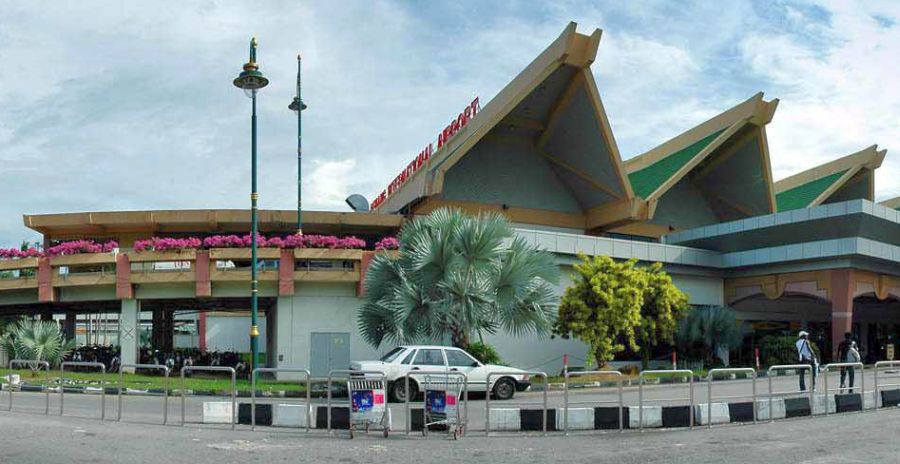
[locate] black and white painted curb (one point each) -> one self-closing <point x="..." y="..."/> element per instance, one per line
<point x="597" y="418"/>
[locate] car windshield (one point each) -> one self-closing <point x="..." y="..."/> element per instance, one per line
<point x="393" y="354"/>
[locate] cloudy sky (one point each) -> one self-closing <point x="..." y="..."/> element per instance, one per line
<point x="129" y="105"/>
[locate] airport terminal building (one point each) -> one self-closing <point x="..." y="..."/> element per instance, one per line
<point x="810" y="251"/>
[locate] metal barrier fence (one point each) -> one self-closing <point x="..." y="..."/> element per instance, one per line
<point x="62" y="388"/>
<point x="710" y="376"/>
<point x="144" y="366"/>
<point x="802" y="367"/>
<point x="212" y="369"/>
<point x="680" y="373"/>
<point x="30" y="363"/>
<point x="862" y="382"/>
<point x="487" y="397"/>
<point x="423" y="374"/>
<point x="566" y="403"/>
<point x="878" y="366"/>
<point x="365" y="376"/>
<point x="259" y="370"/>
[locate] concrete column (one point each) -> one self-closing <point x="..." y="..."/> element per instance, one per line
<point x="282" y="328"/>
<point x="842" y="288"/>
<point x="129" y="331"/>
<point x="69" y="325"/>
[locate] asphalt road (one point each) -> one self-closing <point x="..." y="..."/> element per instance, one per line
<point x="846" y="438"/>
<point x="149" y="410"/>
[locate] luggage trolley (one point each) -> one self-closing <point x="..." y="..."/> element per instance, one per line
<point x="442" y="396"/>
<point x="368" y="405"/>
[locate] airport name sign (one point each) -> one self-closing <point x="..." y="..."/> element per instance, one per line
<point x="443" y="137"/>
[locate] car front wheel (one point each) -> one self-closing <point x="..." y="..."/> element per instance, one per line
<point x="504" y="389"/>
<point x="398" y="390"/>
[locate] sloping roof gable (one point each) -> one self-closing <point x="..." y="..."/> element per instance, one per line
<point x="803" y="195"/>
<point x="645" y="181"/>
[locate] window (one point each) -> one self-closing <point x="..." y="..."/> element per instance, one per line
<point x="409" y="357"/>
<point x="393" y="354"/>
<point x="459" y="358"/>
<point x="429" y="358"/>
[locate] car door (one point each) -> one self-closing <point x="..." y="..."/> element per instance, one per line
<point x="460" y="361"/>
<point x="428" y="360"/>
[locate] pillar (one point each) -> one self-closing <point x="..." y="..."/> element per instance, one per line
<point x="842" y="288"/>
<point x="163" y="330"/>
<point x="129" y="332"/>
<point x="69" y="325"/>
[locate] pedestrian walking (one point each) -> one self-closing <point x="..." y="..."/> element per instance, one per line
<point x="806" y="355"/>
<point x="843" y="348"/>
<point x="852" y="357"/>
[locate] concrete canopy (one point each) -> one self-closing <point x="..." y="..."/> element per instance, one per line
<point x="541" y="151"/>
<point x="849" y="178"/>
<point x="717" y="171"/>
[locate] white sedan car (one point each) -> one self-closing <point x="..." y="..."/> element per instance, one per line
<point x="404" y="361"/>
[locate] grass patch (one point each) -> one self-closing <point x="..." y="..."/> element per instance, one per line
<point x="197" y="382"/>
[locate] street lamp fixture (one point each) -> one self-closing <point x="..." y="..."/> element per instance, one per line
<point x="297" y="106"/>
<point x="251" y="80"/>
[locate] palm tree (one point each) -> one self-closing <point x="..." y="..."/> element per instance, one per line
<point x="457" y="275"/>
<point x="708" y="329"/>
<point x="35" y="341"/>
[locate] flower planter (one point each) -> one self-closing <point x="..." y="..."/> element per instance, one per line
<point x="83" y="258"/>
<point x="244" y="253"/>
<point x="22" y="263"/>
<point x="174" y="255"/>
<point x="326" y="253"/>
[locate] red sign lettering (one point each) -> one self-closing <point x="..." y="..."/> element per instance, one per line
<point x="422" y="158"/>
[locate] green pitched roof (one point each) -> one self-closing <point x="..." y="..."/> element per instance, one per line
<point x="802" y="195"/>
<point x="645" y="181"/>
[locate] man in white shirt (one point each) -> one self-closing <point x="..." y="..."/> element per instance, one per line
<point x="806" y="355"/>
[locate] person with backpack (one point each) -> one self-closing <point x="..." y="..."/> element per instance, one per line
<point x="843" y="349"/>
<point x="806" y="356"/>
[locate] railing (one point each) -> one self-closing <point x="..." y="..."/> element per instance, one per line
<point x="862" y="382"/>
<point x="801" y="367"/>
<point x="878" y="366"/>
<point x="259" y="370"/>
<point x="709" y="393"/>
<point x="680" y="373"/>
<point x="212" y="369"/>
<point x="566" y="403"/>
<point x="487" y="397"/>
<point x="62" y="388"/>
<point x="30" y="364"/>
<point x="144" y="366"/>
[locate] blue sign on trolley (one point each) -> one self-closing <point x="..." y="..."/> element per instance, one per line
<point x="362" y="400"/>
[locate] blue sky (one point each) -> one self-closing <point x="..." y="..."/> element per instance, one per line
<point x="129" y="105"/>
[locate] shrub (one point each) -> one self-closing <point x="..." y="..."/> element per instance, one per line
<point x="485" y="353"/>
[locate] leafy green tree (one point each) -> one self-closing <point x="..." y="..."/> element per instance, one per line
<point x="485" y="353"/>
<point x="664" y="305"/>
<point x="615" y="306"/>
<point x="36" y="341"/>
<point x="458" y="276"/>
<point x="706" y="329"/>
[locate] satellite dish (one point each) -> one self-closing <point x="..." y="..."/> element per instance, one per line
<point x="358" y="203"/>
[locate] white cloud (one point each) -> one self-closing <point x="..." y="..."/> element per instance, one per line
<point x="330" y="182"/>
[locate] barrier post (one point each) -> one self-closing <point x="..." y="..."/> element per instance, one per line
<point x="62" y="389"/>
<point x="122" y="387"/>
<point x="487" y="397"/>
<point x="802" y="368"/>
<point x="709" y="396"/>
<point x="212" y="369"/>
<point x="46" y="388"/>
<point x="862" y="382"/>
<point x="673" y="372"/>
<point x="878" y="366"/>
<point x="258" y="370"/>
<point x="566" y="402"/>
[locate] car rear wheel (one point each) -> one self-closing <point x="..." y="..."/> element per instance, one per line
<point x="398" y="390"/>
<point x="504" y="389"/>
